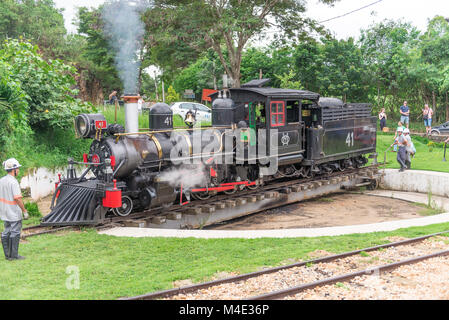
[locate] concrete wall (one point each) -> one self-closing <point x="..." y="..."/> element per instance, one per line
<point x="41" y="181"/>
<point x="416" y="181"/>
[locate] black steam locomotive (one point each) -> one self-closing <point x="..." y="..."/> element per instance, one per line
<point x="258" y="134"/>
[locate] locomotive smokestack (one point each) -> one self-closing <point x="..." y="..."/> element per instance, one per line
<point x="131" y="113"/>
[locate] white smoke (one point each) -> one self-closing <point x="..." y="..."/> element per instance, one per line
<point x="187" y="177"/>
<point x="125" y="30"/>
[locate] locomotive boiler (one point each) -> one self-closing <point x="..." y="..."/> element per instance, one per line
<point x="258" y="134"/>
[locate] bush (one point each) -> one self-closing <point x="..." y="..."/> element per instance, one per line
<point x="48" y="85"/>
<point x="33" y="209"/>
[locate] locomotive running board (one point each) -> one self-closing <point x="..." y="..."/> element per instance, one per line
<point x="209" y="214"/>
<point x="76" y="205"/>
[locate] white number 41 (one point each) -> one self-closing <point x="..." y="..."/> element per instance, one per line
<point x="350" y="139"/>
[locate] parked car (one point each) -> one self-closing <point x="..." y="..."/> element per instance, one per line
<point x="203" y="113"/>
<point x="442" y="129"/>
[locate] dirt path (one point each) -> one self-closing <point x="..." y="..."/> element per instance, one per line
<point x="330" y="211"/>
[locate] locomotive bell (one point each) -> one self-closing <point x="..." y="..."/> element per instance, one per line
<point x="190" y="119"/>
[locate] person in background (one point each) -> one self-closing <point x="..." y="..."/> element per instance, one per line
<point x="427" y="114"/>
<point x="410" y="148"/>
<point x="401" y="142"/>
<point x="405" y="114"/>
<point x="401" y="127"/>
<point x="11" y="209"/>
<point x="113" y="97"/>
<point x="383" y="119"/>
<point x="140" y="105"/>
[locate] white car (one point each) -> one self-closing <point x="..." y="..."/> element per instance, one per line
<point x="203" y="113"/>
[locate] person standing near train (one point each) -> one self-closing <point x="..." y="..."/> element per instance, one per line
<point x="383" y="119"/>
<point x="405" y="114"/>
<point x="427" y="114"/>
<point x="402" y="143"/>
<point x="11" y="209"/>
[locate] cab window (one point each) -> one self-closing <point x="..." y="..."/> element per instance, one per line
<point x="277" y="112"/>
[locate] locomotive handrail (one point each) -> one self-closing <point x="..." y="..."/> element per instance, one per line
<point x="162" y="131"/>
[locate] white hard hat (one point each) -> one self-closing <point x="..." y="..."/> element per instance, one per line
<point x="406" y="130"/>
<point x="11" y="164"/>
<point x="400" y="130"/>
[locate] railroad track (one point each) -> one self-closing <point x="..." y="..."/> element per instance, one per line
<point x="202" y="290"/>
<point x="115" y="221"/>
<point x="39" y="230"/>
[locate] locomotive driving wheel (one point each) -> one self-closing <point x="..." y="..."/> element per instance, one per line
<point x="125" y="209"/>
<point x="253" y="187"/>
<point x="201" y="195"/>
<point x="232" y="191"/>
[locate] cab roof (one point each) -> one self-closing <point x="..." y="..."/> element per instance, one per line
<point x="257" y="87"/>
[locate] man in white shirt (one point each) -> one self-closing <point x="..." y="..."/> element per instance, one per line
<point x="11" y="208"/>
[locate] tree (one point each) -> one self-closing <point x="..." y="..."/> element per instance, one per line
<point x="37" y="20"/>
<point x="97" y="58"/>
<point x="385" y="48"/>
<point x="342" y="71"/>
<point x="231" y="24"/>
<point x="47" y="84"/>
<point x="433" y="61"/>
<point x="308" y="64"/>
<point x="287" y="81"/>
<point x="13" y="106"/>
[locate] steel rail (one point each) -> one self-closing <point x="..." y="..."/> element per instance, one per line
<point x="345" y="277"/>
<point x="268" y="187"/>
<point x="196" y="287"/>
<point x="54" y="230"/>
<point x="274" y="185"/>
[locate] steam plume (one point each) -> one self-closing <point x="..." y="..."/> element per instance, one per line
<point x="125" y="30"/>
<point x="186" y="177"/>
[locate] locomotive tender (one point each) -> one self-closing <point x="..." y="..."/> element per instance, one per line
<point x="258" y="134"/>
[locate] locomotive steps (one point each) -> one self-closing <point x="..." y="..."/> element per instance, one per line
<point x="215" y="211"/>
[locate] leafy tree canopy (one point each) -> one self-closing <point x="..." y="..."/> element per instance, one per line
<point x="37" y="20"/>
<point x="229" y="24"/>
<point x="48" y="85"/>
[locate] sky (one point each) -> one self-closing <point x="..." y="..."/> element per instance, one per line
<point x="418" y="12"/>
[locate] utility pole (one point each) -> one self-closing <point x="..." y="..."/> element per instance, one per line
<point x="163" y="89"/>
<point x="155" y="85"/>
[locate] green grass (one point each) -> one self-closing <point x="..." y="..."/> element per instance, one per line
<point x="111" y="267"/>
<point x="428" y="210"/>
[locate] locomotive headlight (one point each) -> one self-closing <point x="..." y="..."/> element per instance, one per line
<point x="86" y="125"/>
<point x="81" y="125"/>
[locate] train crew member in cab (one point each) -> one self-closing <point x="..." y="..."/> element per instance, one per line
<point x="11" y="209"/>
<point x="405" y="114"/>
<point x="383" y="119"/>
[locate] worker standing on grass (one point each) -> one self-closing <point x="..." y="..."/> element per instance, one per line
<point x="11" y="208"/>
<point x="411" y="150"/>
<point x="402" y="142"/>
